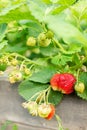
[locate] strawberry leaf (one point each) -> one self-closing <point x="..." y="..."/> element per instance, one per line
<point x="55" y="97"/>
<point x="27" y="89"/>
<point x="3" y="28"/>
<point x="61" y="59"/>
<point x="43" y="75"/>
<point x="49" y="51"/>
<point x="83" y="78"/>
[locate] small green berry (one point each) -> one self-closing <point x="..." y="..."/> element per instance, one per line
<point x="14" y="62"/>
<point x="49" y="34"/>
<point x="45" y="43"/>
<point x="41" y="37"/>
<point x="36" y="50"/>
<point x="27" y="71"/>
<point x="31" y="41"/>
<point x="80" y="87"/>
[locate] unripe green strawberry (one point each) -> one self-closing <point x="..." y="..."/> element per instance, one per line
<point x="80" y="87"/>
<point x="45" y="43"/>
<point x="36" y="50"/>
<point x="41" y="37"/>
<point x="14" y="62"/>
<point x="27" y="71"/>
<point x="31" y="41"/>
<point x="49" y="34"/>
<point x="46" y="111"/>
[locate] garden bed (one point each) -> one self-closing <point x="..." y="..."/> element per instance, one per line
<point x="72" y="110"/>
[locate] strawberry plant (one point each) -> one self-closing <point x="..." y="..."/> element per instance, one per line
<point x="43" y="45"/>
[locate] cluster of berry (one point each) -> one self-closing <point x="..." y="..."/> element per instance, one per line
<point x="43" y="40"/>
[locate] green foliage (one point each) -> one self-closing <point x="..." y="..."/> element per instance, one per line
<point x="14" y="127"/>
<point x="3" y="44"/>
<point x="3" y="67"/>
<point x="55" y="97"/>
<point x="8" y="123"/>
<point x="61" y="59"/>
<point x="27" y="89"/>
<point x="74" y="47"/>
<point x="66" y="2"/>
<point x="79" y="10"/>
<point x="34" y="28"/>
<point x="3" y="28"/>
<point x="49" y="51"/>
<point x="68" y="32"/>
<point x="83" y="78"/>
<point x="13" y="14"/>
<point x="62" y="5"/>
<point x="40" y="8"/>
<point x="43" y="75"/>
<point x="57" y="23"/>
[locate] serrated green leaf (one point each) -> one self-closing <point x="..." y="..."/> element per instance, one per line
<point x="79" y="10"/>
<point x="74" y="47"/>
<point x="3" y="44"/>
<point x="38" y="9"/>
<point x="67" y="2"/>
<point x="65" y="30"/>
<point x="61" y="59"/>
<point x="55" y="97"/>
<point x="19" y="48"/>
<point x="3" y="28"/>
<point x="57" y="10"/>
<point x="46" y="1"/>
<point x="62" y="5"/>
<point x="83" y="78"/>
<point x="9" y="8"/>
<point x="49" y="51"/>
<point x="34" y="28"/>
<point x="43" y="75"/>
<point x="14" y="14"/>
<point x="27" y="89"/>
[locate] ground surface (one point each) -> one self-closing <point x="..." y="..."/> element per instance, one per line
<point x="72" y="110"/>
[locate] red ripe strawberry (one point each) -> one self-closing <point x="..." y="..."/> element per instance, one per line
<point x="63" y="82"/>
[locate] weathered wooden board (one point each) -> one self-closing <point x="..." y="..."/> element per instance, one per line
<point x="72" y="110"/>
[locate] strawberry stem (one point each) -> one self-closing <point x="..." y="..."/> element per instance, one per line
<point x="60" y="127"/>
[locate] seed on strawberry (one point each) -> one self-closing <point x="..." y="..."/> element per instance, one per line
<point x="80" y="87"/>
<point x="63" y="82"/>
